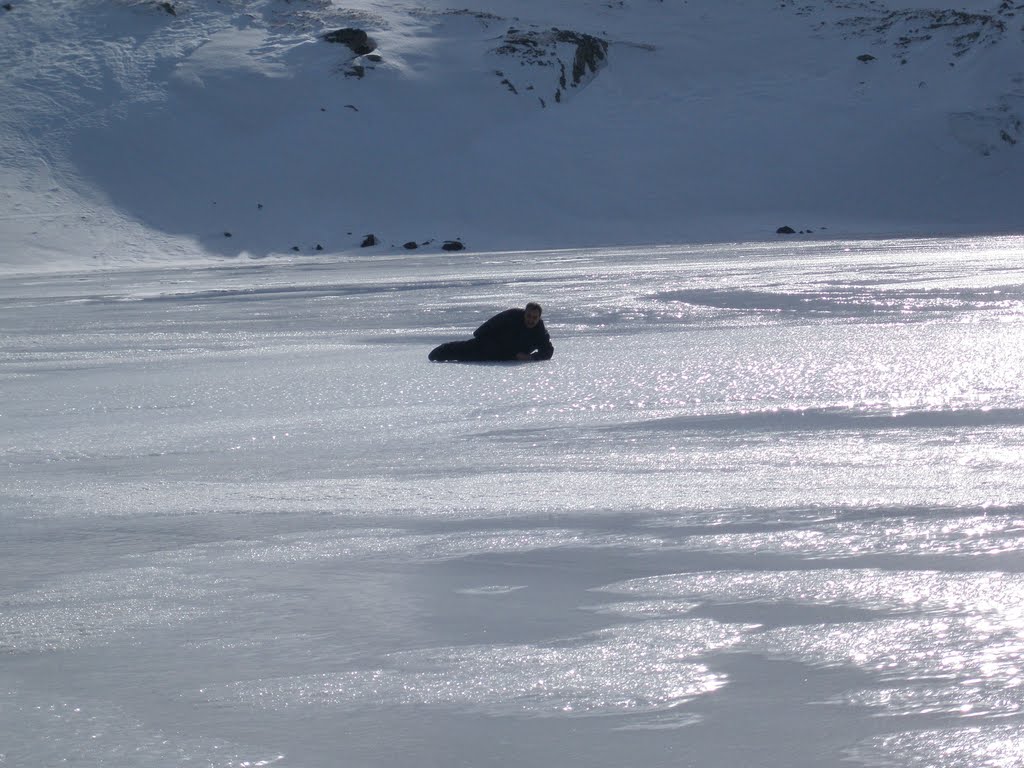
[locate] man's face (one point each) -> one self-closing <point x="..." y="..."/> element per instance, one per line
<point x="531" y="318"/>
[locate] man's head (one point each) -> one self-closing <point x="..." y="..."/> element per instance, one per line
<point x="532" y="315"/>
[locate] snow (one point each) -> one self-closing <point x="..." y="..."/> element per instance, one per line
<point x="762" y="508"/>
<point x="133" y="136"/>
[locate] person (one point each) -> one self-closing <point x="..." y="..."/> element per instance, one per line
<point x="515" y="334"/>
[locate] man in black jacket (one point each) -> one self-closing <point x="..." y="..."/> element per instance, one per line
<point x="515" y="334"/>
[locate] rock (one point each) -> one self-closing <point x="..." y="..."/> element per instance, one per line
<point x="369" y="240"/>
<point x="357" y="40"/>
<point x="412" y="245"/>
<point x="547" y="48"/>
<point x="227" y="234"/>
<point x="452" y="245"/>
<point x="785" y="231"/>
<point x="296" y="248"/>
<point x="591" y="52"/>
<point x="167" y="7"/>
<point x="865" y="57"/>
<point x="318" y="247"/>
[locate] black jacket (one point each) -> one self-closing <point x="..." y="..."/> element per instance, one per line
<point x="507" y="335"/>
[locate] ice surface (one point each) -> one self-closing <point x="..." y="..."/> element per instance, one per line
<point x="764" y="507"/>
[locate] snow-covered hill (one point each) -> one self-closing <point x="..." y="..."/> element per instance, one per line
<point x="142" y="131"/>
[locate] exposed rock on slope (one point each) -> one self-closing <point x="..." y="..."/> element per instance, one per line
<point x="577" y="57"/>
<point x="903" y="29"/>
<point x="361" y="44"/>
<point x="906" y="33"/>
<point x="357" y="40"/>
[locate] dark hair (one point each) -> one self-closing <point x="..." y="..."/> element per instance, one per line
<point x="535" y="305"/>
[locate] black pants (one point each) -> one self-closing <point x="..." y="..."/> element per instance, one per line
<point x="471" y="350"/>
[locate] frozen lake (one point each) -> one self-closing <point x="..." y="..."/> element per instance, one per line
<point x="765" y="507"/>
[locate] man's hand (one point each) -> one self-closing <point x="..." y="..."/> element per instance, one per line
<point x="523" y="357"/>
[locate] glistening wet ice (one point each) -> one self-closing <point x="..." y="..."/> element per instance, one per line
<point x="764" y="507"/>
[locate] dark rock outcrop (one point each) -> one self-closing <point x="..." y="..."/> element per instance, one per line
<point x="357" y="40"/>
<point x="535" y="46"/>
<point x="785" y="231"/>
<point x="452" y="245"/>
<point x="546" y="49"/>
<point x="908" y="28"/>
<point x="369" y="240"/>
<point x="591" y="53"/>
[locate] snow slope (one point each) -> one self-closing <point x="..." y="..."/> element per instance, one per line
<point x="132" y="133"/>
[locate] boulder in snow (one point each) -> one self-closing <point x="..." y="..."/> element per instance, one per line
<point x="357" y="40"/>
